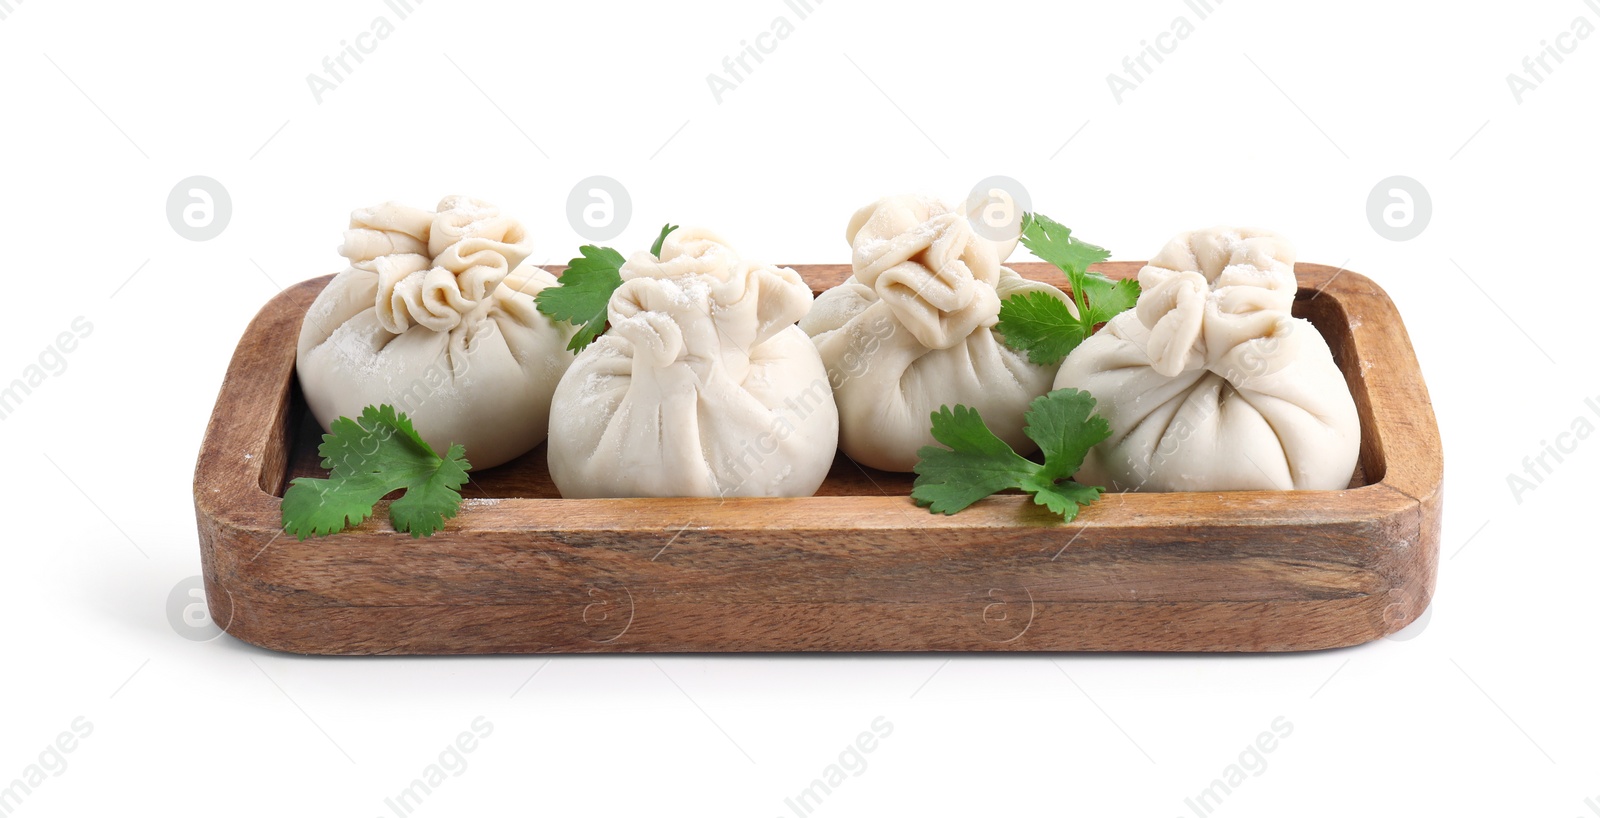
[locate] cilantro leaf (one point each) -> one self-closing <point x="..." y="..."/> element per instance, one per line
<point x="1052" y="241"/>
<point x="1065" y="426"/>
<point x="313" y="507"/>
<point x="655" y="249"/>
<point x="350" y="444"/>
<point x="368" y="458"/>
<point x="1043" y="326"/>
<point x="978" y="464"/>
<point x="1063" y="498"/>
<point x="584" y="292"/>
<point x="423" y="511"/>
<point x="1108" y="298"/>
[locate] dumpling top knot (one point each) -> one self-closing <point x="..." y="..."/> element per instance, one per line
<point x="701" y="299"/>
<point x="434" y="268"/>
<point x="687" y="251"/>
<point x="1209" y="290"/>
<point x="925" y="261"/>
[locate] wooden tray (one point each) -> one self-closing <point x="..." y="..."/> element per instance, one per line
<point x="857" y="568"/>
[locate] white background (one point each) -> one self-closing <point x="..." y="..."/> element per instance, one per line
<point x="1277" y="114"/>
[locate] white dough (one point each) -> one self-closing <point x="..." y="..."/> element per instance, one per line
<point x="1210" y="384"/>
<point x="702" y="387"/>
<point x="913" y="331"/>
<point x="436" y="317"/>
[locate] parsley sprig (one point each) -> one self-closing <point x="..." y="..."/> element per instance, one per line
<point x="584" y="293"/>
<point x="978" y="464"/>
<point x="1041" y="324"/>
<point x="655" y="249"/>
<point x="368" y="458"/>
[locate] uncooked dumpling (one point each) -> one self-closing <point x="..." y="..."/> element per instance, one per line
<point x="702" y="387"/>
<point x="436" y="317"/>
<point x="1210" y="384"/>
<point x="912" y="330"/>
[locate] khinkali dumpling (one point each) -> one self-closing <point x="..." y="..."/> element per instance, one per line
<point x="1210" y="384"/>
<point x="702" y="387"/>
<point x="436" y="317"/>
<point x="913" y="331"/>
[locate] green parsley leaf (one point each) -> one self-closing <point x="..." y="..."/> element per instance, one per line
<point x="1063" y="498"/>
<point x="367" y="459"/>
<point x="655" y="249"/>
<point x="1052" y="241"/>
<point x="1042" y="325"/>
<point x="424" y="507"/>
<point x="1065" y="426"/>
<point x="1108" y="298"/>
<point x="582" y="296"/>
<point x="978" y="464"/>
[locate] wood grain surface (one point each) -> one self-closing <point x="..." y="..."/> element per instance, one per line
<point x="858" y="567"/>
